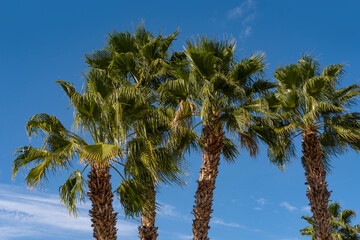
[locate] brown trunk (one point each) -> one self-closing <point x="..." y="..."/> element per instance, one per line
<point x="212" y="146"/>
<point x="102" y="213"/>
<point x="147" y="230"/>
<point x="317" y="193"/>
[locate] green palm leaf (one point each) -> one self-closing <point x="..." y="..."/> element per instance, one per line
<point x="100" y="153"/>
<point x="73" y="191"/>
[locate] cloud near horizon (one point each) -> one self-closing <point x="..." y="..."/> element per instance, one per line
<point x="27" y="215"/>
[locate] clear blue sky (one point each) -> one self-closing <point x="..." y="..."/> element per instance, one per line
<point x="43" y="41"/>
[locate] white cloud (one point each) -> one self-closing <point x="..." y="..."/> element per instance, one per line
<point x="233" y="225"/>
<point x="288" y="206"/>
<point x="257" y="208"/>
<point x="246" y="32"/>
<point x="242" y="9"/>
<point x="246" y="12"/>
<point x="8" y="232"/>
<point x="167" y="210"/>
<point x="249" y="18"/>
<point x="40" y="214"/>
<point x="306" y="209"/>
<point x="236" y="12"/>
<point x="222" y="222"/>
<point x="261" y="201"/>
<point x="184" y="237"/>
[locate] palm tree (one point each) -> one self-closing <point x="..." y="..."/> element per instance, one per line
<point x="222" y="92"/>
<point x="107" y="116"/>
<point x="308" y="103"/>
<point x="340" y="223"/>
<point x="142" y="60"/>
<point x="162" y="148"/>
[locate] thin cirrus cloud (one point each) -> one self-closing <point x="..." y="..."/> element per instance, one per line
<point x="169" y="211"/>
<point x="261" y="201"/>
<point x="219" y="221"/>
<point x="184" y="237"/>
<point x="288" y="206"/>
<point x="242" y="10"/>
<point x="246" y="13"/>
<point x="37" y="215"/>
<point x="306" y="209"/>
<point x="291" y="208"/>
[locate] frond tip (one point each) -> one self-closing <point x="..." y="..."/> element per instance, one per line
<point x="73" y="191"/>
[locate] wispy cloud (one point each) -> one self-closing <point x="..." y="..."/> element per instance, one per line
<point x="233" y="225"/>
<point x="246" y="13"/>
<point x="306" y="209"/>
<point x="241" y="10"/>
<point x="246" y="32"/>
<point x="227" y="224"/>
<point x="9" y="232"/>
<point x="167" y="210"/>
<point x="261" y="201"/>
<point x="40" y="214"/>
<point x="184" y="237"/>
<point x="288" y="206"/>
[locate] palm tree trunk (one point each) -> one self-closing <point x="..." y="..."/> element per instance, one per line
<point x="317" y="192"/>
<point x="100" y="193"/>
<point x="212" y="147"/>
<point x="147" y="230"/>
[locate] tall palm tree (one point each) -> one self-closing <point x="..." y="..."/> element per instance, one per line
<point x="106" y="115"/>
<point x="340" y="224"/>
<point x="161" y="147"/>
<point x="222" y="93"/>
<point x="143" y="61"/>
<point x="307" y="102"/>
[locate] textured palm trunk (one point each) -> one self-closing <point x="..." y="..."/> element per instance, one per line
<point x="147" y="230"/>
<point x="317" y="193"/>
<point x="212" y="147"/>
<point x="102" y="213"/>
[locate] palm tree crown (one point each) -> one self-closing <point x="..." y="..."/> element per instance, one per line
<point x="107" y="114"/>
<point x="308" y="102"/>
<point x="210" y="86"/>
<point x="142" y="61"/>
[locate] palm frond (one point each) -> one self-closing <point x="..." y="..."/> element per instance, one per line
<point x="134" y="197"/>
<point x="100" y="153"/>
<point x="230" y="150"/>
<point x="73" y="191"/>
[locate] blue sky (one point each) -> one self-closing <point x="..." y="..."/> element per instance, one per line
<point x="43" y="41"/>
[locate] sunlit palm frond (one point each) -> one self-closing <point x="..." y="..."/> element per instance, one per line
<point x="45" y="123"/>
<point x="99" y="59"/>
<point x="100" y="153"/>
<point x="73" y="191"/>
